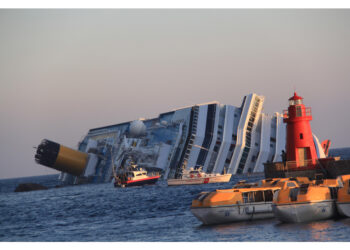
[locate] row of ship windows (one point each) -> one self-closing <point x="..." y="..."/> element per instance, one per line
<point x="228" y="159"/>
<point x="252" y="114"/>
<point x="254" y="111"/>
<point x="248" y="136"/>
<point x="255" y="107"/>
<point x="250" y="125"/>
<point x="243" y="160"/>
<point x="215" y="148"/>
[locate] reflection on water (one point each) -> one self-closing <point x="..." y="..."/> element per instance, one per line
<point x="312" y="231"/>
<point x="345" y="221"/>
<point x="319" y="230"/>
<point x="235" y="227"/>
<point x="236" y="231"/>
<point x="228" y="228"/>
<point x="256" y="230"/>
<point x="274" y="230"/>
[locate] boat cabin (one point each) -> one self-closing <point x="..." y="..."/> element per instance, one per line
<point x="129" y="174"/>
<point x="138" y="173"/>
<point x="192" y="173"/>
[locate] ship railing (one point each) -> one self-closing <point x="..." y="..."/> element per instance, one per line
<point x="292" y="165"/>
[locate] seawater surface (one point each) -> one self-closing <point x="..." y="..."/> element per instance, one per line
<point x="100" y="212"/>
<point x="152" y="213"/>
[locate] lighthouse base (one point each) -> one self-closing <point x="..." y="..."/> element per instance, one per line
<point x="328" y="167"/>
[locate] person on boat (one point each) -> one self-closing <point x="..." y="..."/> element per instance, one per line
<point x="284" y="157"/>
<point x="117" y="182"/>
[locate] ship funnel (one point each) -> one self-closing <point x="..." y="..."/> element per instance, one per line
<point x="61" y="158"/>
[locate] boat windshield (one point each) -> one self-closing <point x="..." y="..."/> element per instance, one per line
<point x="142" y="173"/>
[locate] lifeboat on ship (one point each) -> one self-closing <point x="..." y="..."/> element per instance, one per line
<point x="245" y="201"/>
<point x="343" y="200"/>
<point x="304" y="202"/>
<point x="197" y="176"/>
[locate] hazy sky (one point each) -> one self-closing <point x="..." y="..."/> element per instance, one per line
<point x="63" y="72"/>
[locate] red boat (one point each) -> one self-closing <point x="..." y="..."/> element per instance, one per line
<point x="134" y="176"/>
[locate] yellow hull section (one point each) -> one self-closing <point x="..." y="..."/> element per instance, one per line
<point x="70" y="161"/>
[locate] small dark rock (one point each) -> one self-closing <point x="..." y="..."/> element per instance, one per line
<point x="25" y="187"/>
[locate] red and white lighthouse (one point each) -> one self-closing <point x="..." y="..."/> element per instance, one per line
<point x="300" y="146"/>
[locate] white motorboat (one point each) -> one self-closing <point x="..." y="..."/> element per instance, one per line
<point x="197" y="176"/>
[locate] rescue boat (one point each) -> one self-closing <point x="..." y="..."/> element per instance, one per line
<point x="343" y="200"/>
<point x="129" y="174"/>
<point x="245" y="201"/>
<point x="136" y="177"/>
<point x="306" y="202"/>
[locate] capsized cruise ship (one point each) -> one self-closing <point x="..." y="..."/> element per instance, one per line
<point x="216" y="137"/>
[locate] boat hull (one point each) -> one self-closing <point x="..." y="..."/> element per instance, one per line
<point x="304" y="212"/>
<point x="200" y="180"/>
<point x="343" y="208"/>
<point x="140" y="182"/>
<point x="234" y="213"/>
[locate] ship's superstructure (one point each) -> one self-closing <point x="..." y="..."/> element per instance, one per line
<point x="218" y="138"/>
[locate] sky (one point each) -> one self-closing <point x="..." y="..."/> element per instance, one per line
<point x="63" y="72"/>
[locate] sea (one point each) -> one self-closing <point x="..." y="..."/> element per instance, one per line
<point x="154" y="213"/>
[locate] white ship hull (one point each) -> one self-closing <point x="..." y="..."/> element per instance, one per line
<point x="200" y="180"/>
<point x="343" y="208"/>
<point x="226" y="214"/>
<point x="304" y="212"/>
